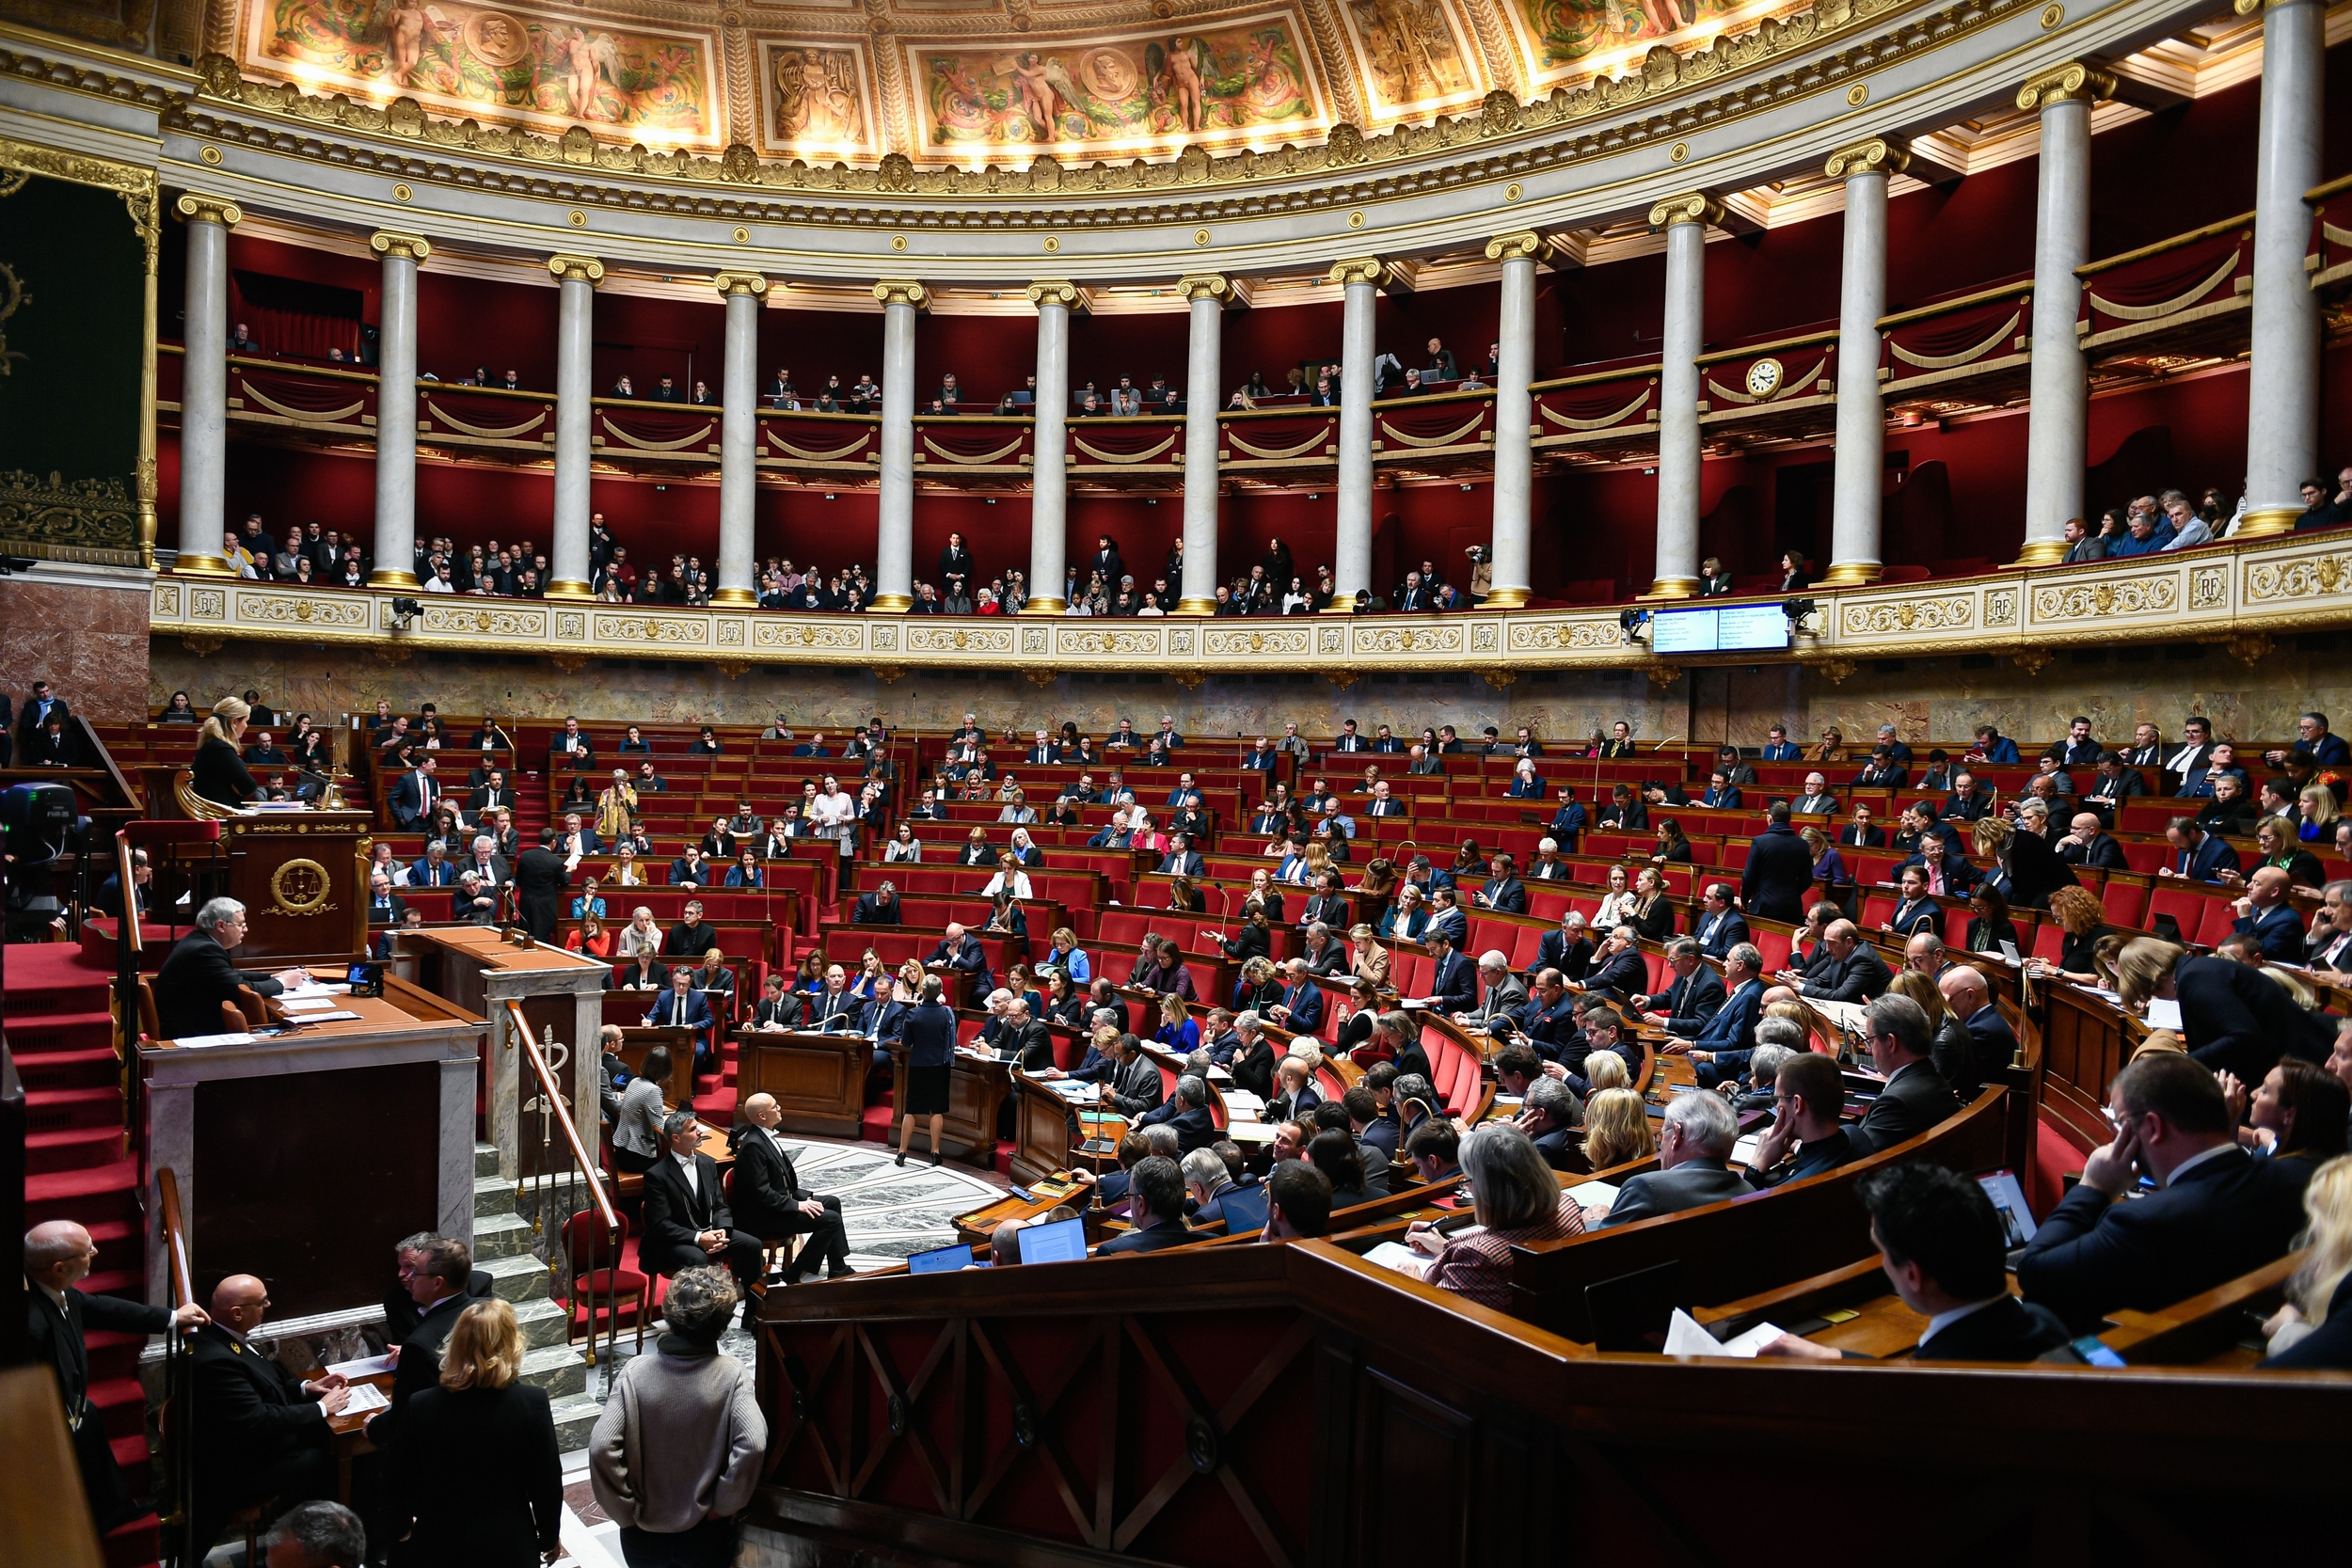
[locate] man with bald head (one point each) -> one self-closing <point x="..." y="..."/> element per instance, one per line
<point x="1853" y="974"/>
<point x="57" y="1256"/>
<point x="1967" y="998"/>
<point x="1925" y="953"/>
<point x="2266" y="915"/>
<point x="260" y="1430"/>
<point x="770" y="1203"/>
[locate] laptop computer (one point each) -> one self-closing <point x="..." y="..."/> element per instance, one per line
<point x="945" y="1259"/>
<point x="1055" y="1241"/>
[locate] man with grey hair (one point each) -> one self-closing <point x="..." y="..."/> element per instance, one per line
<point x="1925" y="953"/>
<point x="1500" y="994"/>
<point x="1322" y="955"/>
<point x="1915" y="1097"/>
<point x="1206" y="1182"/>
<point x="1134" y="1087"/>
<point x="1300" y="1010"/>
<point x="199" y="976"/>
<point x="474" y="903"/>
<point x="1693" y="1169"/>
<point x="1550" y="1113"/>
<point x="482" y="859"/>
<point x="1763" y="1072"/>
<point x="1186" y="1113"/>
<point x="315" y="1535"/>
<point x="677" y="1449"/>
<point x="1696" y="995"/>
<point x="687" y="1222"/>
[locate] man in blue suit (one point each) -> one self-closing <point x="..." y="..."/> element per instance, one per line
<point x="2197" y="855"/>
<point x="1300" y="1010"/>
<point x="2265" y="913"/>
<point x="1721" y="1046"/>
<point x="1452" y="978"/>
<point x="1187" y="1111"/>
<point x="1694" y="995"/>
<point x="684" y="1007"/>
<point x="1720" y="927"/>
<point x="1778" y="746"/>
<point x="1567" y="823"/>
<point x="2216" y="1214"/>
<point x="413" y="797"/>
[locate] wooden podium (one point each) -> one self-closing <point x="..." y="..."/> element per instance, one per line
<point x="301" y="876"/>
<point x="819" y="1081"/>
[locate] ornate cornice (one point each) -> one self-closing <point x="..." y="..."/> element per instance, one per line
<point x="1877" y="156"/>
<point x="1052" y="291"/>
<point x="1360" y="269"/>
<point x="2075" y="81"/>
<point x="577" y="269"/>
<point x="384" y="242"/>
<point x="1690" y="207"/>
<point x="901" y="291"/>
<point x="752" y="283"/>
<point x="1524" y="246"/>
<point x="1205" y="285"/>
<point x="197" y="208"/>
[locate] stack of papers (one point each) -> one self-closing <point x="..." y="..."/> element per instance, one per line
<point x="1684" y="1336"/>
<point x="1594" y="1195"/>
<point x="192" y="1041"/>
<point x="366" y="1397"/>
<point x="367" y="1366"/>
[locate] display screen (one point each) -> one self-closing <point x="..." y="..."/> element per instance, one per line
<point x="1683" y="631"/>
<point x="1055" y="1241"/>
<point x="1739" y="629"/>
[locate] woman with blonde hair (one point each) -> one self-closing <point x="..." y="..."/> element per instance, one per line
<point x="219" y="775"/>
<point x="2317" y="805"/>
<point x="1653" y="911"/>
<point x="1367" y="959"/>
<point x="1184" y="896"/>
<point x="477" y="1479"/>
<point x="1616" y="905"/>
<point x="1606" y="1070"/>
<point x="2314" y="1331"/>
<point x="1829" y="866"/>
<point x="1616" y="1129"/>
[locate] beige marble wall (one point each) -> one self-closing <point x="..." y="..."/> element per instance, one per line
<point x="1933" y="699"/>
<point x="84" y="631"/>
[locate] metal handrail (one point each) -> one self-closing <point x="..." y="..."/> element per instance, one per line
<point x="553" y="1114"/>
<point x="177" y="1514"/>
<point x="132" y="936"/>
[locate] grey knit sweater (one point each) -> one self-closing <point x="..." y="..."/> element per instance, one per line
<point x="681" y="1438"/>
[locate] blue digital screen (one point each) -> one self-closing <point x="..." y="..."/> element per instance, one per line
<point x="1058" y="1242"/>
<point x="945" y="1259"/>
<point x="1739" y="629"/>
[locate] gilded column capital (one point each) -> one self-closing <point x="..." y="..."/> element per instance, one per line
<point x="1204" y="285"/>
<point x="733" y="283"/>
<point x="1053" y="291"/>
<point x="1875" y="155"/>
<point x="2247" y="8"/>
<point x="1690" y="207"/>
<point x="1360" y="269"/>
<point x="2066" y="82"/>
<point x="577" y="269"/>
<point x="198" y="207"/>
<point x="901" y="291"/>
<point x="384" y="242"/>
<point x="1525" y="245"/>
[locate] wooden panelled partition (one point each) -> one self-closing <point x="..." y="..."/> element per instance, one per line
<point x="1291" y="1405"/>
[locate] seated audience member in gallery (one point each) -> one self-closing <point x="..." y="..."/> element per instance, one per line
<point x="477" y="1478"/>
<point x="1942" y="1245"/>
<point x="675" y="1454"/>
<point x="2216" y="1213"/>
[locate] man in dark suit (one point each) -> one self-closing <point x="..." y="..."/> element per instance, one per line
<point x="2185" y="763"/>
<point x="401" y="1312"/>
<point x="1720" y="927"/>
<point x="197" y="977"/>
<point x="1452" y="978"/>
<point x="572" y="749"/>
<point x="691" y="936"/>
<point x="1808" y="1094"/>
<point x="878" y="907"/>
<point x="1187" y="1111"/>
<point x="1994" y="1043"/>
<point x="413" y="796"/>
<point x="2266" y="915"/>
<point x="960" y="949"/>
<point x="1722" y="1045"/>
<point x="1940" y="1243"/>
<point x="385" y="906"/>
<point x="57" y="1256"/>
<point x="2216" y="1214"/>
<point x="1915" y="1097"/>
<point x="770" y="1202"/>
<point x="1696" y="995"/>
<point x="779" y="1007"/>
<point x="688" y="1223"/>
<point x="1182" y="859"/>
<point x="1502" y="892"/>
<point x="1550" y="1017"/>
<point x="2234" y="1019"/>
<point x="1567" y="948"/>
<point x="1156" y="1207"/>
<point x="1854" y="972"/>
<point x="2197" y="856"/>
<point x="540" y="878"/>
<point x="438" y="1287"/>
<point x="1693" y="1150"/>
<point x="259" y="1430"/>
<point x="1618" y="967"/>
<point x="1779" y="872"/>
<point x="1023" y="1041"/>
<point x="40" y="705"/>
<point x="2090" y="844"/>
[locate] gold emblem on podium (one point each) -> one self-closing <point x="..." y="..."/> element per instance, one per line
<point x="299" y="888"/>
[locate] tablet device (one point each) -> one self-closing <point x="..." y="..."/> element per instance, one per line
<point x="1244" y="1209"/>
<point x="945" y="1259"/>
<point x="1055" y="1241"/>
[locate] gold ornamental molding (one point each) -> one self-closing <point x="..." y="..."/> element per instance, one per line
<point x="1360" y="269"/>
<point x="1526" y="245"/>
<point x="1205" y="285"/>
<point x="733" y="283"/>
<point x="576" y="269"/>
<point x="1877" y="155"/>
<point x="385" y="242"/>
<point x="1052" y="291"/>
<point x="197" y="208"/>
<point x="1690" y="207"/>
<point x="901" y="291"/>
<point x="2076" y="79"/>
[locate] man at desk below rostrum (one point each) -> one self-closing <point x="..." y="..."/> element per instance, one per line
<point x="1942" y="1245"/>
<point x="261" y="1433"/>
<point x="199" y="976"/>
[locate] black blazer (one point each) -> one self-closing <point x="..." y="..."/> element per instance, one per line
<point x="929" y="1036"/>
<point x="194" y="980"/>
<point x="1914" y="1098"/>
<point x="1860" y="976"/>
<point x="767" y="1187"/>
<point x="1689" y="1003"/>
<point x="1626" y="975"/>
<point x="1156" y="1237"/>
<point x="1553" y="952"/>
<point x="872" y="910"/>
<point x="2226" y="1216"/>
<point x="1253" y="1068"/>
<point x="479" y="1473"/>
<point x="420" y="1368"/>
<point x="250" y="1412"/>
<point x="2233" y="1018"/>
<point x="220" y="775"/>
<point x="2008" y="1330"/>
<point x="675" y="1215"/>
<point x="57" y="1337"/>
<point x="2329" y="1347"/>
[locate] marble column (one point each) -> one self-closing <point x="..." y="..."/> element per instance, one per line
<point x="1351" y="554"/>
<point x="396" y="411"/>
<point x="738" y="437"/>
<point x="576" y="277"/>
<point x="893" y="551"/>
<point x="2058" y="431"/>
<point x="1049" y="476"/>
<point x="1857" y="503"/>
<point x="1514" y="450"/>
<point x="1685" y="219"/>
<point x="1205" y="377"/>
<point x="2283" y="382"/>
<point x="204" y="385"/>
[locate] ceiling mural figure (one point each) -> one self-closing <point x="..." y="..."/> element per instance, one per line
<point x="819" y="100"/>
<point x="1410" y="52"/>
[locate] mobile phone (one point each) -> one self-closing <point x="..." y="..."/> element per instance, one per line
<point x="2092" y="1350"/>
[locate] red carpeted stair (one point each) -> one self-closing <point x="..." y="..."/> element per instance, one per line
<point x="77" y="1168"/>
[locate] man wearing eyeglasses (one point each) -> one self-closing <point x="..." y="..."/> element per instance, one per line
<point x="1915" y="1097"/>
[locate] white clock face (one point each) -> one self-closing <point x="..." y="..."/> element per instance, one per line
<point x="1763" y="378"/>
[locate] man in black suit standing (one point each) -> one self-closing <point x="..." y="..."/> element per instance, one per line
<point x="401" y="1311"/>
<point x="1779" y="872"/>
<point x="1694" y="1153"/>
<point x="197" y="977"/>
<point x="260" y="1431"/>
<point x="440" y="1288"/>
<point x="1940" y="1243"/>
<point x="2216" y="1213"/>
<point x="1915" y="1097"/>
<point x="769" y="1201"/>
<point x="1156" y="1207"/>
<point x="688" y="1223"/>
<point x="540" y="878"/>
<point x="57" y="1256"/>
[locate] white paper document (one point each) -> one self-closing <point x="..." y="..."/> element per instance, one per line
<point x="367" y="1366"/>
<point x="305" y="1000"/>
<point x="189" y="1042"/>
<point x="1594" y="1195"/>
<point x="364" y="1398"/>
<point x="1397" y="1255"/>
<point x="2164" y="1012"/>
<point x="1684" y="1336"/>
<point x="336" y="1016"/>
